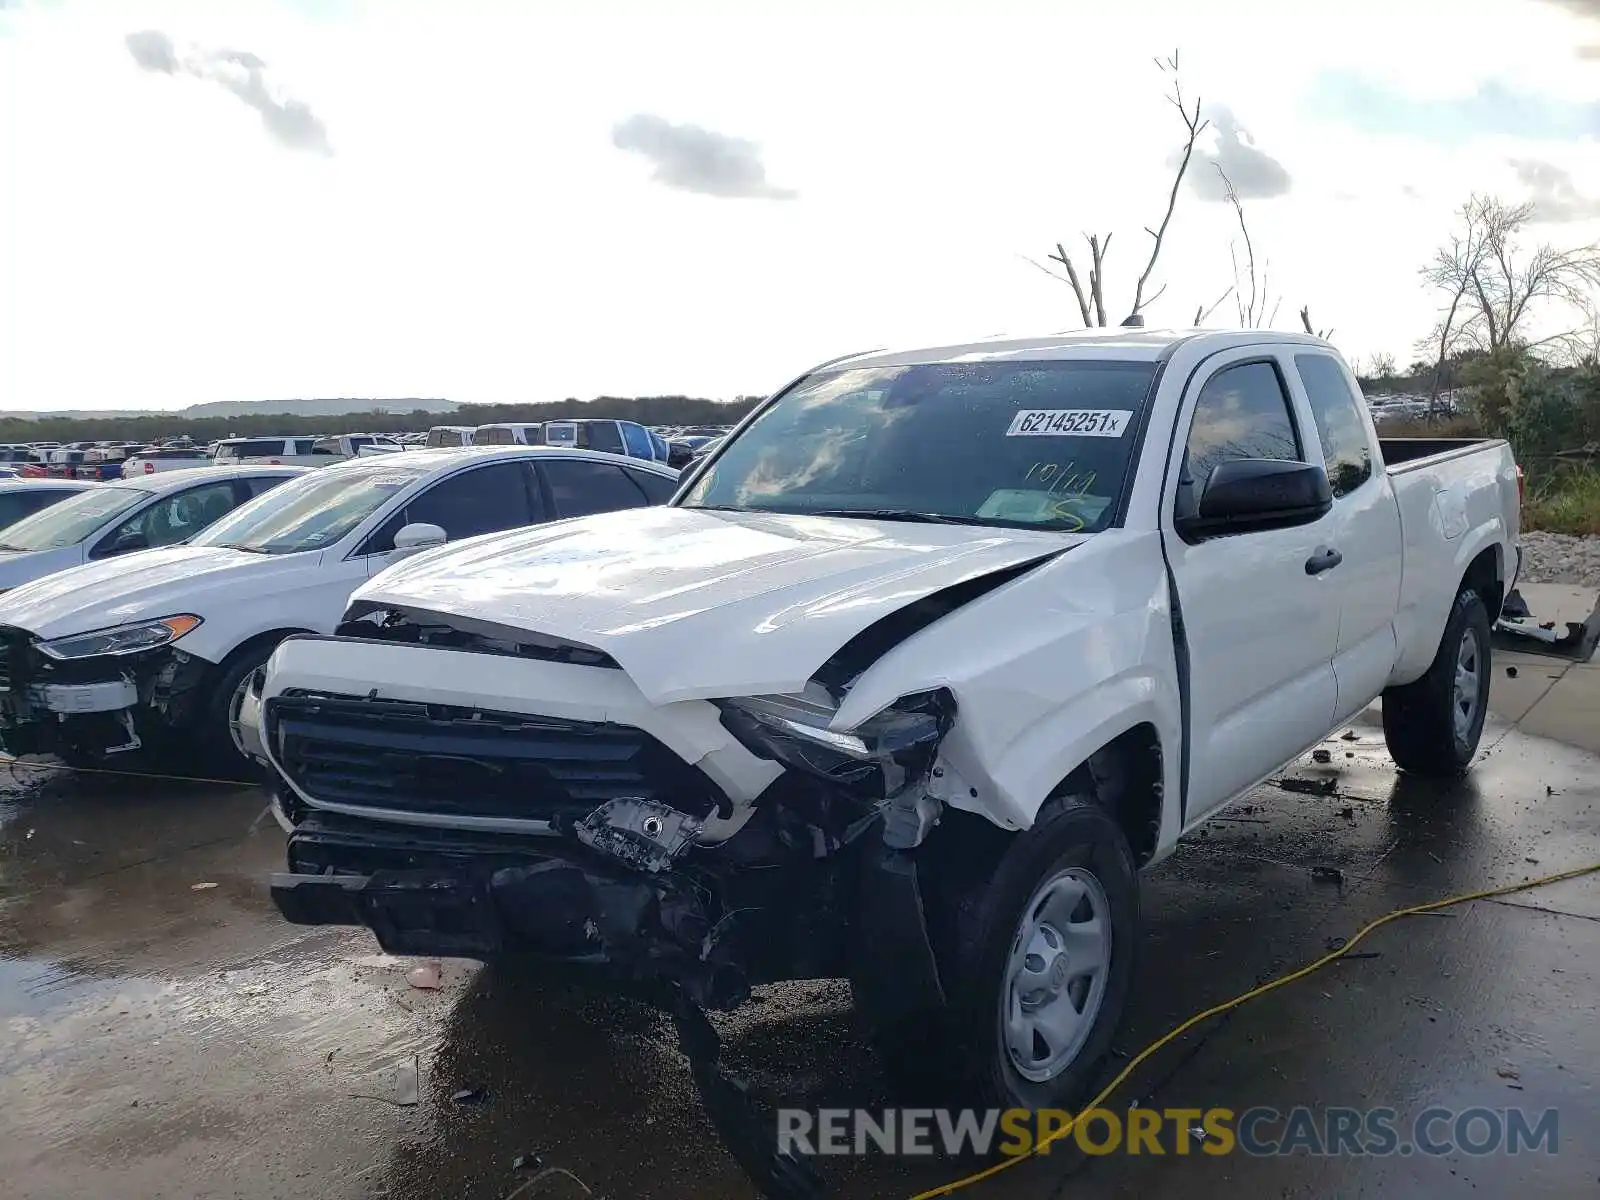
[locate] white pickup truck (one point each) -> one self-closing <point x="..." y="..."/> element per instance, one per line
<point x="913" y="675"/>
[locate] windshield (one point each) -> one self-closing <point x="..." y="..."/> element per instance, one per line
<point x="71" y="521"/>
<point x="1037" y="444"/>
<point x="313" y="511"/>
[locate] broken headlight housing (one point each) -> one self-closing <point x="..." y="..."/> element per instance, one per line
<point x="121" y="639"/>
<point x="878" y="756"/>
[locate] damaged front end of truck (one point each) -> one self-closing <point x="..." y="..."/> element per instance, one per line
<point x="476" y="831"/>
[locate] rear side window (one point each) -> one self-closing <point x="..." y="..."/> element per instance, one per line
<point x="580" y="489"/>
<point x="255" y="448"/>
<point x="1242" y="412"/>
<point x="493" y="437"/>
<point x="657" y="489"/>
<point x="637" y="440"/>
<point x="1337" y="412"/>
<point x="482" y="500"/>
<point x="604" y="435"/>
<point x="261" y="483"/>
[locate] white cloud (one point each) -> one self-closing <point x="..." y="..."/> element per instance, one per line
<point x="478" y="234"/>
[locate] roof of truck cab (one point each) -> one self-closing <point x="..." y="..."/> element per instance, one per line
<point x="1139" y="345"/>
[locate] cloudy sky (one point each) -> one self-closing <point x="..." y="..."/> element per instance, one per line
<point x="533" y="199"/>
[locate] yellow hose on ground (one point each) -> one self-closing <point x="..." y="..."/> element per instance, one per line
<point x="1218" y="1009"/>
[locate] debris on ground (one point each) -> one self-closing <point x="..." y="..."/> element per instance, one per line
<point x="201" y="887"/>
<point x="1507" y="1072"/>
<point x="470" y="1095"/>
<point x="1320" y="755"/>
<point x="407" y="1086"/>
<point x="1330" y="874"/>
<point x="1310" y="787"/>
<point x="427" y="977"/>
<point x="1336" y="943"/>
<point x="1350" y="735"/>
<point x="524" y="1161"/>
<point x="1348" y="812"/>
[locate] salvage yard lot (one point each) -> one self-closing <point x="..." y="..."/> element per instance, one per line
<point x="163" y="1033"/>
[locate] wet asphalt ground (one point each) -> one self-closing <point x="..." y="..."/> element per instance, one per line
<point x="163" y="1034"/>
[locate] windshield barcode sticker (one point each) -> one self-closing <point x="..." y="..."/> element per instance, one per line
<point x="1070" y="422"/>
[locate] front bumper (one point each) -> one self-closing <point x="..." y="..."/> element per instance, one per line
<point x="97" y="705"/>
<point x="476" y="895"/>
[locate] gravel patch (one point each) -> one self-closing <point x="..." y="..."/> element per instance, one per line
<point x="1560" y="558"/>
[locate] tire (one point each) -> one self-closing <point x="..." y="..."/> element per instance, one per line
<point x="1074" y="848"/>
<point x="1432" y="726"/>
<point x="213" y="723"/>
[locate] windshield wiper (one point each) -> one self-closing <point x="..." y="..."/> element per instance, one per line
<point x="9" y="546"/>
<point x="897" y="514"/>
<point x="239" y="546"/>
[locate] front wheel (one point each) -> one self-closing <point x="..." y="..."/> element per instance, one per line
<point x="1041" y="962"/>
<point x="1432" y="726"/>
<point x="215" y="725"/>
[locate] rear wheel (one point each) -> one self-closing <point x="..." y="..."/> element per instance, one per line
<point x="1433" y="726"/>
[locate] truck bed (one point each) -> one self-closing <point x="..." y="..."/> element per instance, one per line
<point x="1405" y="454"/>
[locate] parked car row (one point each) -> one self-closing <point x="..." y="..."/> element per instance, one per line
<point x="134" y="611"/>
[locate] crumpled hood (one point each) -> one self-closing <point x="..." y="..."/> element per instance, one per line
<point x="694" y="604"/>
<point x="148" y="584"/>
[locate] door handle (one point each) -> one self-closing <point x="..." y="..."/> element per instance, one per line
<point x="1325" y="559"/>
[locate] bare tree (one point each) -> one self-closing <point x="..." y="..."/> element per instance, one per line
<point x="1305" y="323"/>
<point x="1250" y="292"/>
<point x="1494" y="284"/>
<point x="1090" y="293"/>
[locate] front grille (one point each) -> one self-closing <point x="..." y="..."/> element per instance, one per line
<point x="450" y="761"/>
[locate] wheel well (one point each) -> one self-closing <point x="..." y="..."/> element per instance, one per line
<point x="1485" y="578"/>
<point x="1124" y="777"/>
<point x="270" y="637"/>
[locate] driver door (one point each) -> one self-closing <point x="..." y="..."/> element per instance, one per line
<point x="1261" y="627"/>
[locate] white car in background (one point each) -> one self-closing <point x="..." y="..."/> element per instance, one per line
<point x="157" y="459"/>
<point x="115" y="657"/>
<point x="108" y="520"/>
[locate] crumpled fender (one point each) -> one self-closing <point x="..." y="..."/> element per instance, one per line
<point x="1045" y="669"/>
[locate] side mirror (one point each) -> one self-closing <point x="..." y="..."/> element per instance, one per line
<point x="1244" y="495"/>
<point x="419" y="535"/>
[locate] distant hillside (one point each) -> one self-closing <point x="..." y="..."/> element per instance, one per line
<point x="316" y="408"/>
<point x="264" y="418"/>
<point x="319" y="407"/>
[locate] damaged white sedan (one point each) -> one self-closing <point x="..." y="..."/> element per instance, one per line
<point x="905" y="685"/>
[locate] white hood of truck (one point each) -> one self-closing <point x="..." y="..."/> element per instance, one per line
<point x="202" y="580"/>
<point x="695" y="604"/>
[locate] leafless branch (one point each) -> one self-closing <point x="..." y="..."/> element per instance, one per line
<point x="1196" y="126"/>
<point x="1061" y="256"/>
<point x="1090" y="293"/>
<point x="1305" y="323"/>
<point x="1202" y="313"/>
